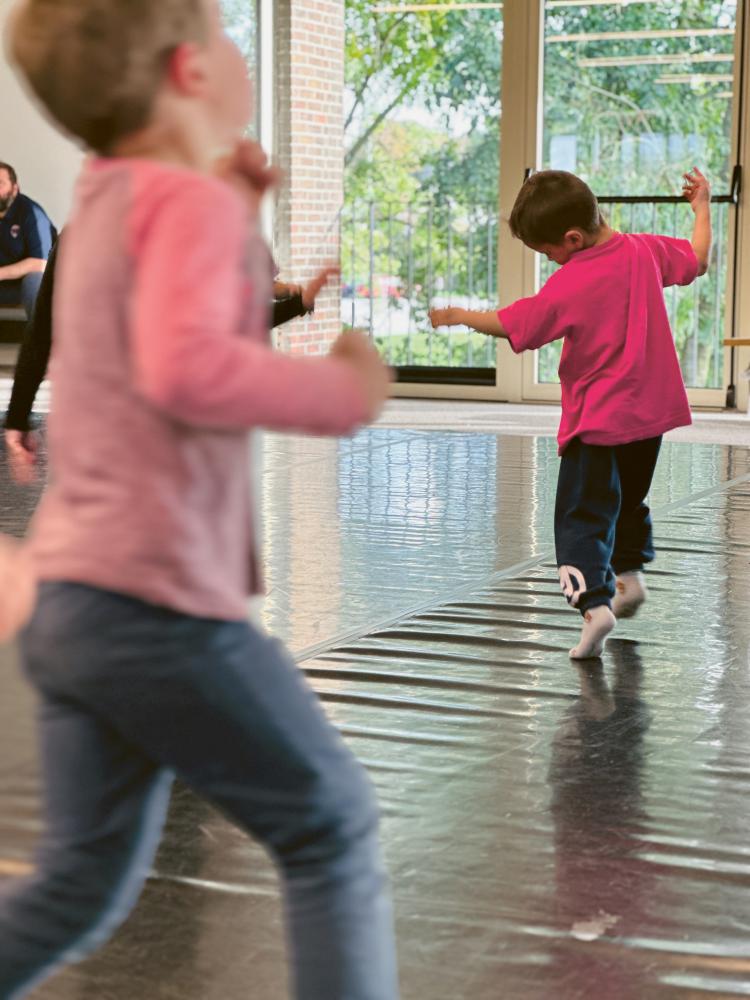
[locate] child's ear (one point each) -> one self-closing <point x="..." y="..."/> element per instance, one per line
<point x="574" y="239"/>
<point x="186" y="70"/>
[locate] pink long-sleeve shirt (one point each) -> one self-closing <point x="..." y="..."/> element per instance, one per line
<point x="160" y="366"/>
<point x="619" y="371"/>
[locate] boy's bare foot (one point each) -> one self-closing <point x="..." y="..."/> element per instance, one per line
<point x="597" y="624"/>
<point x="630" y="594"/>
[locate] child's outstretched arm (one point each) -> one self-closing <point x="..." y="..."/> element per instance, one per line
<point x="199" y="354"/>
<point x="482" y="322"/>
<point x="698" y="192"/>
<point x="291" y="301"/>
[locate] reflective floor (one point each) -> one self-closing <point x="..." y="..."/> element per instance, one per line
<point x="552" y="831"/>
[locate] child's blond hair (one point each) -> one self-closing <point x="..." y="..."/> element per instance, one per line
<point x="97" y="65"/>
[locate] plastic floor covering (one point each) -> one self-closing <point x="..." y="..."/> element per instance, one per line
<point x="552" y="831"/>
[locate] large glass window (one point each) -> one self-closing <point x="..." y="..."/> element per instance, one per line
<point x="422" y="117"/>
<point x="634" y="95"/>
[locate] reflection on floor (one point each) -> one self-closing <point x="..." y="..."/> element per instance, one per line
<point x="552" y="831"/>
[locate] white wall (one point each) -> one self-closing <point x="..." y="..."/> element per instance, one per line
<point x="47" y="164"/>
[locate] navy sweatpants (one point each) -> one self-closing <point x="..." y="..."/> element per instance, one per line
<point x="602" y="523"/>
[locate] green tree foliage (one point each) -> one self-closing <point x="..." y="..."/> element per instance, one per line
<point x="636" y="133"/>
<point x="438" y="61"/>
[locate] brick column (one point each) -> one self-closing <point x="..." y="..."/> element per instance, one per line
<point x="309" y="146"/>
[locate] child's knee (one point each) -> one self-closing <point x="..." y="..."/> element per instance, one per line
<point x="342" y="812"/>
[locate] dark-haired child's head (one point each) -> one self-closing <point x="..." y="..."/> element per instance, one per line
<point x="556" y="214"/>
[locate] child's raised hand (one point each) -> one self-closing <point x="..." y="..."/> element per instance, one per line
<point x="313" y="288"/>
<point x="695" y="188"/>
<point x="447" y="316"/>
<point x="356" y="349"/>
<point x="248" y="170"/>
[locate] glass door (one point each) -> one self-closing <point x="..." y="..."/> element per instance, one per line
<point x="634" y="94"/>
<point x="420" y="221"/>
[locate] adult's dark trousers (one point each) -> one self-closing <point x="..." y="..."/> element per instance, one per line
<point x="21" y="292"/>
<point x="602" y="522"/>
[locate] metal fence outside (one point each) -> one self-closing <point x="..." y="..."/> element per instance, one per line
<point x="398" y="260"/>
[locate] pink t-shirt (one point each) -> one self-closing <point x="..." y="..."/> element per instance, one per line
<point x="161" y="363"/>
<point x="619" y="370"/>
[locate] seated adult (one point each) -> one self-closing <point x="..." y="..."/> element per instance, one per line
<point x="26" y="239"/>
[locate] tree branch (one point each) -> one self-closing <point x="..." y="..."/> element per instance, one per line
<point x="360" y="92"/>
<point x="639" y="112"/>
<point x="374" y="125"/>
<point x="391" y="28"/>
<point x="358" y="95"/>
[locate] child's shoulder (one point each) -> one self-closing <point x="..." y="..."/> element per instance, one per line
<point x="559" y="282"/>
<point x="161" y="194"/>
<point x="654" y="240"/>
<point x="161" y="181"/>
<point x="150" y="182"/>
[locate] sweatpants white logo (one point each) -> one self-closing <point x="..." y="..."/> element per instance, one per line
<point x="572" y="583"/>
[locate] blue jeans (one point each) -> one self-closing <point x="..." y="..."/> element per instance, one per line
<point x="22" y="292"/>
<point x="602" y="522"/>
<point x="131" y="694"/>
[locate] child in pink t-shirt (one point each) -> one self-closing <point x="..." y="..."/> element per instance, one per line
<point x="620" y="378"/>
